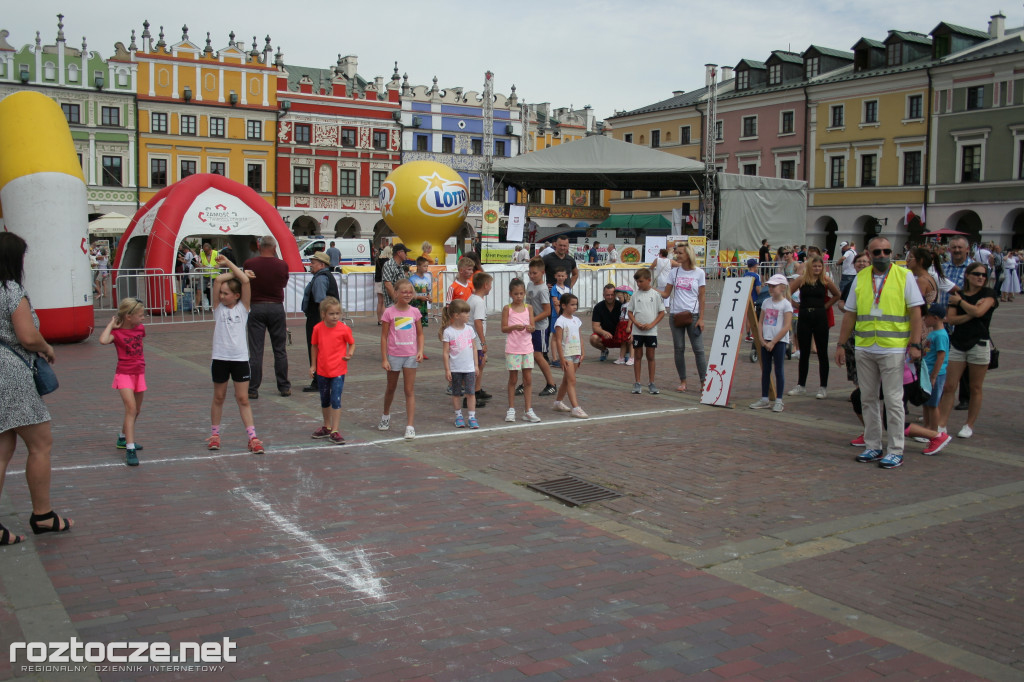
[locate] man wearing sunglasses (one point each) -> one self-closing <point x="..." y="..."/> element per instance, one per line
<point x="883" y="313"/>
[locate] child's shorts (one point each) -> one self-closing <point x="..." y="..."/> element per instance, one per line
<point x="540" y="340"/>
<point x="936" y="396"/>
<point x="574" y="359"/>
<point x="136" y="382"/>
<point x="236" y="370"/>
<point x="463" y="383"/>
<point x="330" y="390"/>
<point x="517" y="361"/>
<point x="645" y="341"/>
<point x="400" y="362"/>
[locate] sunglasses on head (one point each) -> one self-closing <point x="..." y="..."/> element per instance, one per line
<point x="881" y="252"/>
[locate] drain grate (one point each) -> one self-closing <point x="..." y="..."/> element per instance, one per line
<point x="574" y="491"/>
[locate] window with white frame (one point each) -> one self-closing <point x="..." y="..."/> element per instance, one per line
<point x="254" y="130"/>
<point x="743" y="79"/>
<point x="72" y="112"/>
<point x="970" y="163"/>
<point x="655" y="138"/>
<point x="112" y="171"/>
<point x="976" y="97"/>
<point x="915" y="107"/>
<point x="158" y="122"/>
<point x="377" y="179"/>
<point x="786" y="126"/>
<point x="684" y="135"/>
<point x="347" y="183"/>
<point x="868" y="170"/>
<point x="188" y="167"/>
<point x="219" y="168"/>
<point x="187" y="125"/>
<point x="110" y="116"/>
<point x="970" y="154"/>
<point x="476" y="190"/>
<point x="627" y="137"/>
<point x="300" y="180"/>
<point x="812" y="67"/>
<point x="254" y="176"/>
<point x="787" y="169"/>
<point x="774" y="74"/>
<point x="749" y="126"/>
<point x="836" y="116"/>
<point x="750" y="169"/>
<point x="158" y="172"/>
<point x="912" y="167"/>
<point x="870" y="111"/>
<point x="719" y="131"/>
<point x="216" y="126"/>
<point x="303" y="133"/>
<point x="837" y="171"/>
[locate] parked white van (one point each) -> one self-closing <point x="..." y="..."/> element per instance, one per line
<point x="353" y="251"/>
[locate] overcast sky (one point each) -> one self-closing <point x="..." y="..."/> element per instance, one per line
<point x="610" y="55"/>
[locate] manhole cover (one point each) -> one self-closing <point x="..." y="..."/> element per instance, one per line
<point x="574" y="491"/>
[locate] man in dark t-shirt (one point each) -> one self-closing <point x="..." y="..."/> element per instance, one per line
<point x="266" y="314"/>
<point x="604" y="321"/>
<point x="764" y="254"/>
<point x="561" y="259"/>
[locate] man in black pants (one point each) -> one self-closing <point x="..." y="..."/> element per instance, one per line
<point x="266" y="314"/>
<point x="320" y="287"/>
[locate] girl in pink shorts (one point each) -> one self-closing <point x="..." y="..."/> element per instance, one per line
<point x="126" y="331"/>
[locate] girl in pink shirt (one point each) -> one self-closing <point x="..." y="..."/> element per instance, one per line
<point x="401" y="346"/>
<point x="516" y="321"/>
<point x="126" y="331"/>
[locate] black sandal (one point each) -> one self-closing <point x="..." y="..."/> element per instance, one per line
<point x="59" y="526"/>
<point x="6" y="535"/>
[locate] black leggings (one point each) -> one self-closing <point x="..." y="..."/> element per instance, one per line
<point x="813" y="323"/>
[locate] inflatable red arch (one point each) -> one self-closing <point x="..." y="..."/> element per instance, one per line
<point x="202" y="205"/>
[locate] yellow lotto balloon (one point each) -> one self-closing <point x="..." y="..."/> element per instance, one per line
<point x="424" y="201"/>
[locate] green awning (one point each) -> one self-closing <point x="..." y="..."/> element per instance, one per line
<point x="636" y="221"/>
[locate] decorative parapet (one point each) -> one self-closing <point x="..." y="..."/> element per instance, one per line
<point x="569" y="212"/>
<point x="463" y="162"/>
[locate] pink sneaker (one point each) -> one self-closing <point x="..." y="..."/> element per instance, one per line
<point x="322" y="432"/>
<point x="936" y="444"/>
<point x="858" y="442"/>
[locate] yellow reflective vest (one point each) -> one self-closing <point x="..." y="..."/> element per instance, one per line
<point x="210" y="267"/>
<point x="889" y="327"/>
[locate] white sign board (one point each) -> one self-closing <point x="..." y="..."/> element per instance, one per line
<point x="652" y="246"/>
<point x="729" y="337"/>
<point x="516" y="223"/>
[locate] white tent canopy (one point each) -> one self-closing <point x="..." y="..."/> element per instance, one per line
<point x="109" y="225"/>
<point x="755" y="208"/>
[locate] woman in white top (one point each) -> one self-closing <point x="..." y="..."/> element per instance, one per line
<point x="1011" y="280"/>
<point x="685" y="291"/>
<point x="659" y="269"/>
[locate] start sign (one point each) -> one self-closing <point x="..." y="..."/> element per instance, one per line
<point x="729" y="335"/>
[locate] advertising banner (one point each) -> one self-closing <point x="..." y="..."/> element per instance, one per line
<point x="492" y="215"/>
<point x="516" y="223"/>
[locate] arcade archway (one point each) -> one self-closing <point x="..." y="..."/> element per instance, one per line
<point x="346" y="228"/>
<point x="304" y="226"/>
<point x="1014" y="224"/>
<point x="828" y="226"/>
<point x="966" y="221"/>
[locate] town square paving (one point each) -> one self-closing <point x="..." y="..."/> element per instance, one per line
<point x="745" y="545"/>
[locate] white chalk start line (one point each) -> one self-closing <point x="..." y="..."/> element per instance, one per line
<point x="323" y="447"/>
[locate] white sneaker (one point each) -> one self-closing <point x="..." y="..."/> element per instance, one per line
<point x="629" y="361"/>
<point x="965" y="432"/>
<point x="562" y="407"/>
<point x="410" y="433"/>
<point x="799" y="390"/>
<point x="579" y="413"/>
<point x="761" y="404"/>
<point x="510" y="415"/>
<point x="822" y="393"/>
<point x="778" y="406"/>
<point x="620" y="361"/>
<point x="796" y="355"/>
<point x="531" y="416"/>
<point x="384" y="424"/>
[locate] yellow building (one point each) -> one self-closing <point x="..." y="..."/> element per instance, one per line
<point x="205" y="111"/>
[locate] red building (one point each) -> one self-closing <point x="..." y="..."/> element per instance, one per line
<point x="338" y="137"/>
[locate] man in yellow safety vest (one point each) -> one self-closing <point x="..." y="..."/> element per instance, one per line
<point x="883" y="312"/>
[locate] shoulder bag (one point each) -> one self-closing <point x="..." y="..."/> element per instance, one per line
<point x="42" y="373"/>
<point x="993" y="354"/>
<point x="683" y="318"/>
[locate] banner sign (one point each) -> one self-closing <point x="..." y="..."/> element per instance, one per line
<point x="729" y="336"/>
<point x="699" y="245"/>
<point x="516" y="223"/>
<point x="652" y="247"/>
<point x="492" y="215"/>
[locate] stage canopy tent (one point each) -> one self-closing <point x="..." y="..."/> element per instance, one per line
<point x="636" y="221"/>
<point x="600" y="162"/>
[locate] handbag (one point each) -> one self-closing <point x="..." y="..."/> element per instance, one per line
<point x="682" y="319"/>
<point x="42" y="373"/>
<point x="993" y="355"/>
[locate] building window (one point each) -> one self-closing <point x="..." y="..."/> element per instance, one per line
<point x="476" y="147"/>
<point x="476" y="190"/>
<point x="188" y="124"/>
<point x="915" y="107"/>
<point x="187" y="168"/>
<point x="719" y="131"/>
<point x="347" y="183"/>
<point x="348" y="137"/>
<point x="684" y="135"/>
<point x="447" y="145"/>
<point x="838" y="172"/>
<point x="158" y="172"/>
<point x="254" y="176"/>
<point x="1020" y="160"/>
<point x="300" y="180"/>
<point x="749" y="126"/>
<point x="595" y="197"/>
<point x="742" y="79"/>
<point x="534" y="196"/>
<point x="112" y="171"/>
<point x="871" y="111"/>
<point x="750" y="169"/>
<point x="836" y="116"/>
<point x="218" y="168"/>
<point x="627" y="194"/>
<point x="254" y="130"/>
<point x="499" y="147"/>
<point x="894" y="54"/>
<point x="787" y="169"/>
<point x="380" y="139"/>
<point x="655" y="138"/>
<point x="786" y="123"/>
<point x="303" y="133"/>
<point x="812" y="67"/>
<point x="774" y="74"/>
<point x="912" y="168"/>
<point x="628" y="137"/>
<point x="868" y="170"/>
<point x="216" y="126"/>
<point x="110" y="116"/>
<point x="970" y="164"/>
<point x="158" y="123"/>
<point x="72" y="112"/>
<point x="377" y="179"/>
<point x="976" y="97"/>
<point x="560" y="197"/>
<point x="421" y="143"/>
<point x="654" y="194"/>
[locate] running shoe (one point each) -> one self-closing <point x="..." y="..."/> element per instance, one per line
<point x="322" y="432"/>
<point x="473" y="424"/>
<point x="653" y="389"/>
<point x="761" y="404"/>
<point x="637" y="389"/>
<point x="520" y="390"/>
<point x="561" y="407"/>
<point x="384" y="424"/>
<point x="557" y="364"/>
<point x="531" y="416"/>
<point x="778" y="406"/>
<point x="579" y="413"/>
<point x="604" y="355"/>
<point x="410" y="432"/>
<point x="629" y="362"/>
<point x="822" y="393"/>
<point x="460" y="421"/>
<point x="550" y="389"/>
<point x="936" y="444"/>
<point x="869" y="455"/>
<point x="336" y="438"/>
<point x="799" y="390"/>
<point x="122" y="443"/>
<point x="256" y="446"/>
<point x="965" y="432"/>
<point x="858" y="442"/>
<point x="213" y="443"/>
<point x="620" y="361"/>
<point x="510" y="415"/>
<point x="891" y="461"/>
<point x="130" y="458"/>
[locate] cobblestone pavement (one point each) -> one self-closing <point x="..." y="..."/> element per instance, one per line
<point x="745" y="545"/>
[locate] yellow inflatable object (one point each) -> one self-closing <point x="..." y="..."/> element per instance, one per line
<point x="424" y="201"/>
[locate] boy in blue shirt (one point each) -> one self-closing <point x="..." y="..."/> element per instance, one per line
<point x="937" y="357"/>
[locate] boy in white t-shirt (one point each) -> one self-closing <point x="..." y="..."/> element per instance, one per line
<point x="776" y="323"/>
<point x="646" y="310"/>
<point x="478" y="316"/>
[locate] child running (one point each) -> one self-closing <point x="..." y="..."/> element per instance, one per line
<point x="126" y="331"/>
<point x="516" y="322"/>
<point x="570" y="352"/>
<point x="401" y="346"/>
<point x="461" y="362"/>
<point x="231" y="294"/>
<point x="776" y="322"/>
<point x="332" y="348"/>
<point x="646" y="310"/>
